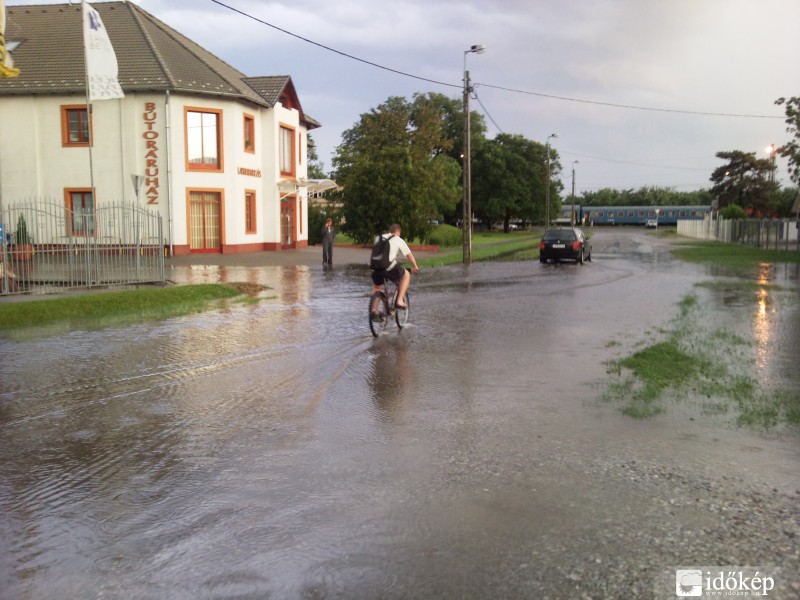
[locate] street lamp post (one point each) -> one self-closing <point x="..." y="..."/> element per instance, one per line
<point x="547" y="184"/>
<point x="467" y="166"/>
<point x="574" y="221"/>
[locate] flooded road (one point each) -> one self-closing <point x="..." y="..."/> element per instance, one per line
<point x="275" y="450"/>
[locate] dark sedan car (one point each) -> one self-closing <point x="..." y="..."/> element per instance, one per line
<point x="565" y="243"/>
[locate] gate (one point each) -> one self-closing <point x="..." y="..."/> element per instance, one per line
<point x="46" y="247"/>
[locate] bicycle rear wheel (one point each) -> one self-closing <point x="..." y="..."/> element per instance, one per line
<point x="378" y="319"/>
<point x="401" y="316"/>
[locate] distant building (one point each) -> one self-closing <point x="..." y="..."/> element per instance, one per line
<point x="222" y="156"/>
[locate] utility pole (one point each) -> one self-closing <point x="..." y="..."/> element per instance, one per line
<point x="467" y="165"/>
<point x="547" y="184"/>
<point x="574" y="221"/>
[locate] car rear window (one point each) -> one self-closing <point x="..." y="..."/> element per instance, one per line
<point x="559" y="234"/>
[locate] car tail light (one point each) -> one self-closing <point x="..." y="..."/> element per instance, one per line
<point x="576" y="245"/>
<point x="541" y="245"/>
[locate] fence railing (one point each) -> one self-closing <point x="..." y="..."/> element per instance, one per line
<point x="47" y="247"/>
<point x="770" y="234"/>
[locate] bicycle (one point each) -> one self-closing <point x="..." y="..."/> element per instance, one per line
<point x="384" y="308"/>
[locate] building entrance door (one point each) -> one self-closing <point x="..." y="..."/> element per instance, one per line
<point x="287" y="223"/>
<point x="204" y="222"/>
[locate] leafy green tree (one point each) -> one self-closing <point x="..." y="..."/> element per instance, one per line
<point x="316" y="168"/>
<point x="451" y="113"/>
<point x="791" y="149"/>
<point x="782" y="201"/>
<point x="744" y="180"/>
<point x="508" y="178"/>
<point x="645" y="196"/>
<point x="393" y="166"/>
<point x="602" y="197"/>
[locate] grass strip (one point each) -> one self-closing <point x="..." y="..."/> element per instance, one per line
<point x="733" y="255"/>
<point x="151" y="303"/>
<point x="490" y="247"/>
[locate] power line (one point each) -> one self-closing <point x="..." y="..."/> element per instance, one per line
<point x="497" y="87"/>
<point x="631" y="106"/>
<point x="637" y="164"/>
<point x="491" y="118"/>
<point x="329" y="49"/>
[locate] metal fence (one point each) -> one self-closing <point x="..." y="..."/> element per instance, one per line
<point x="48" y="248"/>
<point x="770" y="234"/>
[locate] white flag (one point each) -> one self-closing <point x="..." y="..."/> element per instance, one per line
<point x="101" y="62"/>
<point x="6" y="64"/>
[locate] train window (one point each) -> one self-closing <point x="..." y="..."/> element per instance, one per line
<point x="641" y="213"/>
<point x="631" y="213"/>
<point x="671" y="213"/>
<point x="621" y="213"/>
<point x="651" y="213"/>
<point x="683" y="213"/>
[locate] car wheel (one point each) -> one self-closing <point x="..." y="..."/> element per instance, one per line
<point x="589" y="258"/>
<point x="580" y="258"/>
<point x="542" y="260"/>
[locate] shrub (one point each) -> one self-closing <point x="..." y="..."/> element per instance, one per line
<point x="446" y="236"/>
<point x="21" y="236"/>
<point x="733" y="211"/>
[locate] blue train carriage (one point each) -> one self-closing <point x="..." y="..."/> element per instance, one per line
<point x="640" y="215"/>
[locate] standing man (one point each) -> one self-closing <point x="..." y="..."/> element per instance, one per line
<point x="328" y="236"/>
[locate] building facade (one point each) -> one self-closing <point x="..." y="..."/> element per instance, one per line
<point x="222" y="157"/>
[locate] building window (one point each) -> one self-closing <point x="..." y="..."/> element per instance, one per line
<point x="286" y="156"/>
<point x="249" y="211"/>
<point x="75" y="125"/>
<point x="203" y="139"/>
<point x="249" y="133"/>
<point x="80" y="212"/>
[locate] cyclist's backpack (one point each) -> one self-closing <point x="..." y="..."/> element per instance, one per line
<point x="379" y="260"/>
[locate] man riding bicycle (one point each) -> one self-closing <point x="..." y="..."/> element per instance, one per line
<point x="399" y="275"/>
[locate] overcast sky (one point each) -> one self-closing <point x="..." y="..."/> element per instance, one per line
<point x="549" y="67"/>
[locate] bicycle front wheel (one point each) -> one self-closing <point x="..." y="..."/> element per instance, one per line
<point x="401" y="316"/>
<point x="378" y="313"/>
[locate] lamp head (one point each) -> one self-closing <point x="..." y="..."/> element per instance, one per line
<point x="477" y="48"/>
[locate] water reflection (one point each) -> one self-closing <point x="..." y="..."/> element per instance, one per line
<point x="290" y="283"/>
<point x="762" y="330"/>
<point x="390" y="370"/>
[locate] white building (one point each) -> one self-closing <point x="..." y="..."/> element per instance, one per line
<point x="222" y="156"/>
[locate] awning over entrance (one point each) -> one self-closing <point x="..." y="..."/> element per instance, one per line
<point x="314" y="186"/>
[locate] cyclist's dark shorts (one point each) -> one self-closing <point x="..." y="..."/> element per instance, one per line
<point x="395" y="274"/>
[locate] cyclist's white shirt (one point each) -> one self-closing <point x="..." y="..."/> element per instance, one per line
<point x="397" y="245"/>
